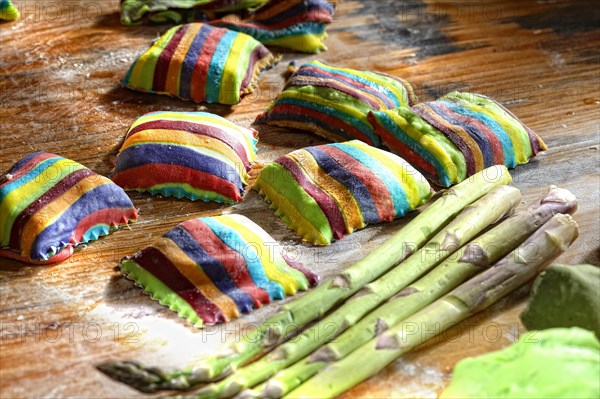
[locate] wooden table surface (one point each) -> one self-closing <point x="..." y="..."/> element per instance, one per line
<point x="60" y="67"/>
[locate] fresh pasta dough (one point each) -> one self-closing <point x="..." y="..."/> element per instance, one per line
<point x="298" y="25"/>
<point x="50" y="204"/>
<point x="197" y="155"/>
<point x="211" y="270"/>
<point x="135" y="12"/>
<point x="200" y="63"/>
<point x="327" y="192"/>
<point x="457" y="136"/>
<point x="335" y="102"/>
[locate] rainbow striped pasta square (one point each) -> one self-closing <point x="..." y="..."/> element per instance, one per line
<point x="297" y="25"/>
<point x="50" y="204"/>
<point x="200" y="63"/>
<point x="211" y="270"/>
<point x="335" y="102"/>
<point x="135" y="12"/>
<point x="457" y="136"/>
<point x="326" y="192"/>
<point x="196" y="155"/>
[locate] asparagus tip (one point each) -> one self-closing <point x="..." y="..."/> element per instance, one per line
<point x="143" y="379"/>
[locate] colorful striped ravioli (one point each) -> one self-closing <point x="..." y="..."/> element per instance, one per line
<point x="335" y="102"/>
<point x="135" y="12"/>
<point x="8" y="12"/>
<point x="50" y="204"/>
<point x="210" y="270"/>
<point x="297" y="25"/>
<point x="201" y="63"/>
<point x="186" y="154"/>
<point x="329" y="191"/>
<point x="457" y="136"/>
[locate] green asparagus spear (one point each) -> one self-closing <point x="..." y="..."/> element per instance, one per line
<point x="466" y="262"/>
<point x="471" y="297"/>
<point x="465" y="226"/>
<point x="314" y="304"/>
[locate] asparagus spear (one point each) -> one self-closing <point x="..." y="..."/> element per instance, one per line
<point x="459" y="267"/>
<point x="298" y="313"/>
<point x="465" y="226"/>
<point x="471" y="297"/>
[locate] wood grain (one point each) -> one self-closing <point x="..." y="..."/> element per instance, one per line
<point x="60" y="67"/>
